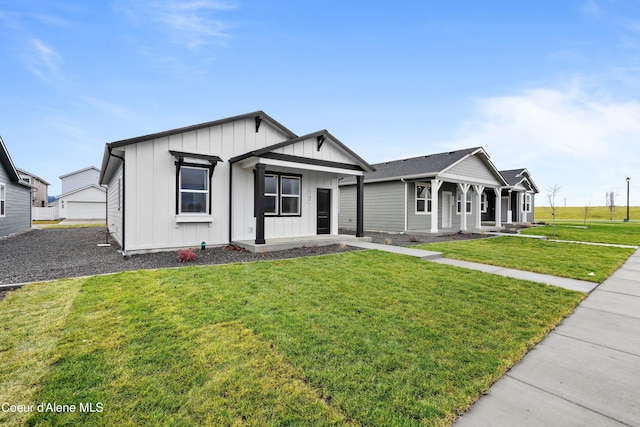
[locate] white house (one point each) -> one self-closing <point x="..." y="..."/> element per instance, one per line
<point x="245" y="179"/>
<point x="82" y="197"/>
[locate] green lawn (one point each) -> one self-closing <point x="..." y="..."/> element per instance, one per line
<point x="605" y="232"/>
<point x="571" y="260"/>
<point x="596" y="213"/>
<point x="359" y="338"/>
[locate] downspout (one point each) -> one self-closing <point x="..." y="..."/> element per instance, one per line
<point x="230" y="201"/>
<point x="406" y="191"/>
<point x="124" y="189"/>
<point x="106" y="212"/>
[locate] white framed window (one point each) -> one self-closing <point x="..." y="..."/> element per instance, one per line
<point x="289" y="195"/>
<point x="459" y="202"/>
<point x="194" y="190"/>
<point x="484" y="203"/>
<point x="423" y="199"/>
<point x="271" y="204"/>
<point x="526" y="202"/>
<point x="3" y="200"/>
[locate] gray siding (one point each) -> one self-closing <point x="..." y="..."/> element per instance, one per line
<point x="383" y="207"/>
<point x="416" y="221"/>
<point x="18" y="206"/>
<point x="473" y="167"/>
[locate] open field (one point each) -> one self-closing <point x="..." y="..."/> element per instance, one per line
<point x="622" y="233"/>
<point x="596" y="213"/>
<point x="364" y="338"/>
<point x="576" y="261"/>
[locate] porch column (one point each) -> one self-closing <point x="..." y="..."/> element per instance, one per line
<point x="435" y="197"/>
<point x="479" y="189"/>
<point x="509" y="208"/>
<point x="258" y="200"/>
<point x="498" y="212"/>
<point x="464" y="188"/>
<point x="518" y="207"/>
<point x="360" y="206"/>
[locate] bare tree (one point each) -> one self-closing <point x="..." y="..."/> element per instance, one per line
<point x="552" y="192"/>
<point x="585" y="209"/>
<point x="611" y="204"/>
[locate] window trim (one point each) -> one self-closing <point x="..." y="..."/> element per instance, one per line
<point x="276" y="194"/>
<point x="526" y="203"/>
<point x="484" y="203"/>
<point x="204" y="168"/>
<point x="427" y="199"/>
<point x="3" y="200"/>
<point x="279" y="196"/>
<point x="468" y="204"/>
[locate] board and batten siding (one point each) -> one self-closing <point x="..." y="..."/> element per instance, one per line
<point x="383" y="206"/>
<point x="17" y="216"/>
<point x="115" y="206"/>
<point x="151" y="220"/>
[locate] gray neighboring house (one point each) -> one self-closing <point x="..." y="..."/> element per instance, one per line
<point x="15" y="197"/>
<point x="443" y="192"/>
<point x="40" y="192"/>
<point x="518" y="199"/>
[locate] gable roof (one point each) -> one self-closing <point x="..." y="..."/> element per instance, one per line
<point x="259" y="116"/>
<point x="430" y="165"/>
<point x="82" y="189"/>
<point x="5" y="160"/>
<point x="319" y="135"/>
<point x="79" y="171"/>
<point x="24" y="172"/>
<point x="515" y="177"/>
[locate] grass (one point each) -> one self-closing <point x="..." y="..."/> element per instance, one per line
<point x="359" y="338"/>
<point x="605" y="232"/>
<point x="573" y="260"/>
<point x="596" y="213"/>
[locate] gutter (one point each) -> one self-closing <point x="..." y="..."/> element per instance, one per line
<point x="124" y="187"/>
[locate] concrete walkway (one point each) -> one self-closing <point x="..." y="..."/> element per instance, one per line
<point x="586" y="372"/>
<point x="573" y="284"/>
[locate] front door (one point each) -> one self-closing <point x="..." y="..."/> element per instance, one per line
<point x="446" y="209"/>
<point x="324" y="211"/>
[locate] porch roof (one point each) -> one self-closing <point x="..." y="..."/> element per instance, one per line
<point x="522" y="177"/>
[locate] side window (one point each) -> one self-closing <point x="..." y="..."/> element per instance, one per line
<point x="484" y="203"/>
<point x="271" y="195"/>
<point x="194" y="190"/>
<point x="3" y="199"/>
<point x="423" y="198"/>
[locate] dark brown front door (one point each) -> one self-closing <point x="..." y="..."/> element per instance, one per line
<point x="324" y="211"/>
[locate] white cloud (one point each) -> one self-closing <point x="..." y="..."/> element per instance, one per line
<point x="189" y="23"/>
<point x="42" y="60"/>
<point x="586" y="143"/>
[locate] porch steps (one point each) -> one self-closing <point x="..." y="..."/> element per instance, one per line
<point x="418" y="253"/>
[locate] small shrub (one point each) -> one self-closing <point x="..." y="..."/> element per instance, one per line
<point x="388" y="241"/>
<point x="186" y="255"/>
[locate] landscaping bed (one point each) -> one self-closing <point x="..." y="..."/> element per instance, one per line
<point x="48" y="254"/>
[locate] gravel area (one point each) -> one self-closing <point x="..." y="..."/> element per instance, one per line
<point x="47" y="254"/>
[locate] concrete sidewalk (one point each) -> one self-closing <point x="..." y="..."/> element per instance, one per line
<point x="584" y="373"/>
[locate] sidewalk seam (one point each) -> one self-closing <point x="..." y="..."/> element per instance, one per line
<point x="566" y="400"/>
<point x="594" y="344"/>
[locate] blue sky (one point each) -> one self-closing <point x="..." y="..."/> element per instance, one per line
<point x="553" y="86"/>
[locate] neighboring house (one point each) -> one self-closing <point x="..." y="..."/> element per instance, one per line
<point x="40" y="192"/>
<point x="245" y="179"/>
<point x="15" y="197"/>
<point x="518" y="199"/>
<point x="82" y="197"/>
<point x="441" y="192"/>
